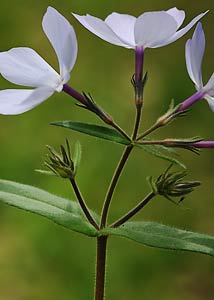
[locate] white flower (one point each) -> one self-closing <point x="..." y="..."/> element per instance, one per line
<point x="23" y="66"/>
<point x="194" y="55"/>
<point x="149" y="30"/>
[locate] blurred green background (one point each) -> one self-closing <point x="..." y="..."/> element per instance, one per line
<point x="40" y="260"/>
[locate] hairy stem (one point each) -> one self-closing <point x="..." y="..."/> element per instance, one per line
<point x="133" y="211"/>
<point x="100" y="268"/>
<point x="83" y="204"/>
<point x="137" y="121"/>
<point x="120" y="130"/>
<point x="148" y="131"/>
<point x="113" y="184"/>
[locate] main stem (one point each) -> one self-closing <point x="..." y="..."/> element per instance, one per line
<point x="102" y="240"/>
<point x="100" y="268"/>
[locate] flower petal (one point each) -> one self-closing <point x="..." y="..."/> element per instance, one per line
<point x="188" y="56"/>
<point x="210" y="101"/>
<point x="14" y="101"/>
<point x="184" y="30"/>
<point x="123" y="26"/>
<point x="24" y="66"/>
<point x="63" y="39"/>
<point x="177" y="14"/>
<point x="194" y="55"/>
<point x="153" y="28"/>
<point x="210" y="86"/>
<point x="101" y="29"/>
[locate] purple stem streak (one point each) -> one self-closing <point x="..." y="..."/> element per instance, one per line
<point x="203" y="144"/>
<point x="139" y="58"/>
<point x="73" y="93"/>
<point x="191" y="100"/>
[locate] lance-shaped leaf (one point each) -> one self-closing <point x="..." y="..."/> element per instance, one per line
<point x="162" y="236"/>
<point x="151" y="149"/>
<point x="77" y="156"/>
<point x="59" y="210"/>
<point x="101" y="132"/>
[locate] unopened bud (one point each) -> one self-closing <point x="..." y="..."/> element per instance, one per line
<point x="61" y="163"/>
<point x="172" y="184"/>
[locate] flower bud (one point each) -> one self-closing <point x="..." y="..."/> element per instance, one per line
<point x="172" y="185"/>
<point x="61" y="163"/>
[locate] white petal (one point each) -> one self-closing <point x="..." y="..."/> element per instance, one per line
<point x="153" y="28"/>
<point x="101" y="29"/>
<point x="63" y="39"/>
<point x="123" y="26"/>
<point x="13" y="102"/>
<point x="24" y="66"/>
<point x="210" y="86"/>
<point x="188" y="55"/>
<point x="178" y="15"/>
<point x="194" y="55"/>
<point x="184" y="30"/>
<point x="210" y="101"/>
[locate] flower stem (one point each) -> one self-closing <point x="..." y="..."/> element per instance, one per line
<point x="75" y="94"/>
<point x="113" y="184"/>
<point x="133" y="211"/>
<point x="148" y="131"/>
<point x="100" y="268"/>
<point x="83" y="204"/>
<point x="90" y="105"/>
<point x="139" y="59"/>
<point x="120" y="130"/>
<point x="137" y="122"/>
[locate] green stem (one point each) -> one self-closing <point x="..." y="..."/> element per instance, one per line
<point x="119" y="170"/>
<point x="120" y="130"/>
<point x="113" y="184"/>
<point x="148" y="131"/>
<point x="100" y="268"/>
<point x="137" y="121"/>
<point x="133" y="211"/>
<point x="154" y="142"/>
<point x="83" y="204"/>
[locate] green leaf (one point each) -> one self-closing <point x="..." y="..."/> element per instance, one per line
<point x="59" y="210"/>
<point x="152" y="150"/>
<point x="77" y="156"/>
<point x="162" y="236"/>
<point x="101" y="132"/>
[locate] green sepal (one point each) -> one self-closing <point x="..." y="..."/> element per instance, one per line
<point x="59" y="210"/>
<point x="151" y="149"/>
<point x="101" y="132"/>
<point x="45" y="172"/>
<point x="166" y="237"/>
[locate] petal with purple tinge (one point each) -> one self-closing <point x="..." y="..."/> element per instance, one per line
<point x="177" y="14"/>
<point x="210" y="101"/>
<point x="194" y="55"/>
<point x="210" y="86"/>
